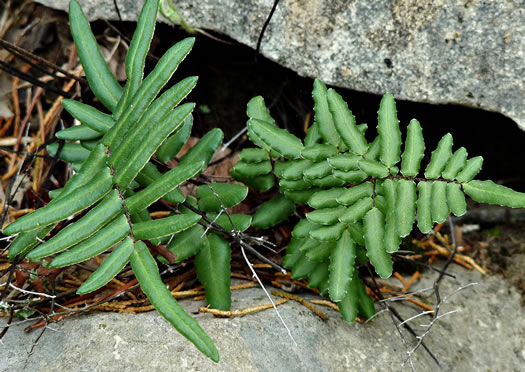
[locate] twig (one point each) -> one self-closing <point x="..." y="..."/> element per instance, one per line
<point x="31" y="292"/>
<point x="233" y="314"/>
<point x="267" y="294"/>
<point x="22" y="75"/>
<point x="28" y="57"/>
<point x="303" y="302"/>
<point x="265" y="25"/>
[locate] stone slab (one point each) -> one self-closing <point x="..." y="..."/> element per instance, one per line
<point x="469" y="53"/>
<point x="487" y="333"/>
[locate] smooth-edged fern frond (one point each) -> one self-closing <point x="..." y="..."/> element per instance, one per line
<point x="115" y="180"/>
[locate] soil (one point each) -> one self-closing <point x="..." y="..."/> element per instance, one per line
<point x="501" y="249"/>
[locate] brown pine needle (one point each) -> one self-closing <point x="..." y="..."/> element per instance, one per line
<point x="421" y="305"/>
<point x="159" y="214"/>
<point x="243" y="286"/>
<point x="303" y="302"/>
<point x="233" y="314"/>
<point x="188" y="293"/>
<point x="411" y="281"/>
<point x="325" y="303"/>
<point x="399" y="277"/>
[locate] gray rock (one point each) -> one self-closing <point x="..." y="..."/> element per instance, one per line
<point x="487" y="333"/>
<point x="445" y="51"/>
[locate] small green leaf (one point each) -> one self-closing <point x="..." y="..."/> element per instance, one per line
<point x="301" y="196"/>
<point x="389" y="133"/>
<point x="277" y="139"/>
<point x="325" y="216"/>
<point x="140" y="157"/>
<point x="253" y="169"/>
<point x="253" y="155"/>
<point x="262" y="183"/>
<point x="147" y="92"/>
<point x="256" y="109"/>
<point x="164" y="226"/>
<point x="357" y="211"/>
<point x="163" y="185"/>
<point x="438" y="202"/>
<point x="101" y="81"/>
<point x="88" y="115"/>
<point x="373" y="168"/>
<point x="361" y="257"/>
<point x="212" y="264"/>
<point x="272" y="212"/>
<point x="241" y="222"/>
<point x="70" y="152"/>
<point x="424" y="214"/>
<point x="470" y="170"/>
<point x="288" y="185"/>
<point x="302" y="228"/>
<point x="342" y="262"/>
<point x="392" y="239"/>
<point x="109" y="268"/>
<point x="328" y="233"/>
<point x="348" y="306"/>
<point x="58" y="210"/>
<point x="214" y="196"/>
<point x="440" y="157"/>
<point x="355" y="193"/>
<point x="323" y="116"/>
<point x="319" y="152"/>
<point x="374" y="230"/>
<point x="293" y="253"/>
<point x="406" y="206"/>
<point x="381" y="204"/>
<point x="89" y="145"/>
<point x="317" y="170"/>
<point x="414" y="150"/>
<point x="171" y="147"/>
<point x="154" y="118"/>
<point x="78" y="133"/>
<point x="302" y="268"/>
<point x="328" y="181"/>
<point x="150" y="175"/>
<point x="491" y="193"/>
<point x="455" y="164"/>
<point x="280" y="166"/>
<point x="345" y="161"/>
<point x="456" y="199"/>
<point x="356" y="233"/>
<point x="365" y="305"/>
<point x="373" y="150"/>
<point x="82" y="229"/>
<point x="26" y="241"/>
<point x="147" y="273"/>
<point x="312" y="136"/>
<point x="103" y="239"/>
<point x="320" y="251"/>
<point x="187" y="243"/>
<point x="345" y="125"/>
<point x="138" y="50"/>
<point x="326" y="198"/>
<point x="352" y="177"/>
<point x="204" y="149"/>
<point x="318" y="275"/>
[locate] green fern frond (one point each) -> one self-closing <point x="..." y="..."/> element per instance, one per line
<point x="363" y="194"/>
